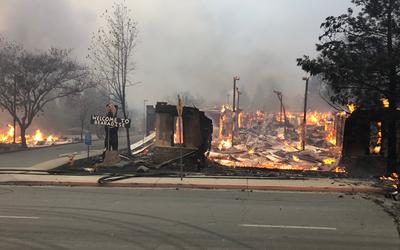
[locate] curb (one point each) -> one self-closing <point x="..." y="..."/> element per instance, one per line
<point x="200" y="186"/>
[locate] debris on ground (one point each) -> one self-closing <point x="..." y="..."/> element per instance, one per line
<point x="264" y="141"/>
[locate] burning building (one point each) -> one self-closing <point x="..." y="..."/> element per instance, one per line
<point x="264" y="140"/>
<point x="365" y="141"/>
<point x="191" y="134"/>
<point x="38" y="138"/>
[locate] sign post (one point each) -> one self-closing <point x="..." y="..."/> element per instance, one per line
<point x="88" y="142"/>
<point x="110" y="157"/>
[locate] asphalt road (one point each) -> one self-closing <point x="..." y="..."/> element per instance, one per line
<point x="114" y="218"/>
<point x="28" y="158"/>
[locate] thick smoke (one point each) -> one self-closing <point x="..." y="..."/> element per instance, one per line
<point x="194" y="46"/>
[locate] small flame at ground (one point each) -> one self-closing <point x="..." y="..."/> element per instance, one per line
<point x="225" y="144"/>
<point x="352" y="107"/>
<point x="393" y="179"/>
<point x="251" y="151"/>
<point x="38" y="137"/>
<point x="329" y="161"/>
<point x="385" y="102"/>
<point x="339" y="170"/>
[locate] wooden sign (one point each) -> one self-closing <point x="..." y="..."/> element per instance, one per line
<point x="114" y="122"/>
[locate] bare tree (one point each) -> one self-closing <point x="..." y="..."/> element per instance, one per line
<point x="111" y="52"/>
<point x="29" y="81"/>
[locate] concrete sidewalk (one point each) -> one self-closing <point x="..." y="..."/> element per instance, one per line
<point x="196" y="182"/>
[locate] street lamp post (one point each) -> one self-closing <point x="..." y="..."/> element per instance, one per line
<point x="303" y="132"/>
<point x="144" y="120"/>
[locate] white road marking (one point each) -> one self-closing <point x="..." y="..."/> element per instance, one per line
<point x="288" y="227"/>
<point x="18" y="217"/>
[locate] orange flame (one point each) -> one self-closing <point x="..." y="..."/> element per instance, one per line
<point x="7" y="137"/>
<point x="325" y="121"/>
<point x="178" y="132"/>
<point x="385" y="102"/>
<point x="339" y="169"/>
<point x="329" y="161"/>
<point x="393" y="179"/>
<point x="33" y="139"/>
<point x="352" y="107"/>
<point x="225" y="128"/>
<point x="38" y="137"/>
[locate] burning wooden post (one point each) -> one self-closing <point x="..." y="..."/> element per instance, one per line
<point x="225" y="128"/>
<point x="303" y="134"/>
<point x="234" y="109"/>
<point x="282" y="108"/>
<point x="340" y="119"/>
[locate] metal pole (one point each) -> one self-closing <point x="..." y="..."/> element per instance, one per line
<point x="15" y="110"/>
<point x="234" y="95"/>
<point x="303" y="136"/>
<point x="144" y="120"/>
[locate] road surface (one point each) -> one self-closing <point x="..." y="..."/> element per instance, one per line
<point x="28" y="158"/>
<point x="114" y="218"/>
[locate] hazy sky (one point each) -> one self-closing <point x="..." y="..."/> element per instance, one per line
<point x="188" y="45"/>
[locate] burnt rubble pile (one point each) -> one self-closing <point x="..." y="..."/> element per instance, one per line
<point x="265" y="142"/>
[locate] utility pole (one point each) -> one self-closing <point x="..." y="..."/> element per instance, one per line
<point x="234" y="119"/>
<point x="238" y="107"/>
<point x="282" y="108"/>
<point x="303" y="134"/>
<point x="235" y="78"/>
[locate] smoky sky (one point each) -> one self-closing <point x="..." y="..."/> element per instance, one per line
<point x="194" y="46"/>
